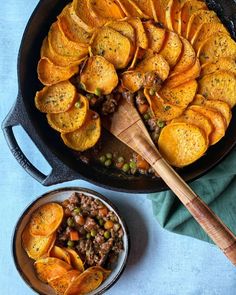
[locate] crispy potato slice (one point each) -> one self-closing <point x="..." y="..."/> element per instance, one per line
<point x="218" y="105"/>
<point x="222" y="64"/>
<point x="161" y="109"/>
<point x="124" y="28"/>
<point x="63" y="46"/>
<point x="141" y="36"/>
<point x="37" y="246"/>
<point x="176" y="15"/>
<point x="82" y="15"/>
<point x="172" y="48"/>
<point x="132" y="80"/>
<point x="105" y="9"/>
<point x="197" y="20"/>
<point x="168" y="15"/>
<point x="161" y="6"/>
<point x="182" y="144"/>
<point x="187" y="58"/>
<point x="57" y="98"/>
<point x="46" y="219"/>
<point x="50" y="268"/>
<point x="206" y="31"/>
<point x="155" y="35"/>
<point x="85" y="283"/>
<point x="61" y="283"/>
<point x="220" y="86"/>
<point x="76" y="261"/>
<point x="181" y="95"/>
<point x="130" y="9"/>
<point x="145" y="7"/>
<point x="188" y="9"/>
<point x="86" y="136"/>
<point x="196" y="118"/>
<point x="217" y="120"/>
<point x="135" y="59"/>
<point x="113" y="46"/>
<point x="72" y="119"/>
<point x="186" y="76"/>
<point x="104" y="271"/>
<point x="98" y="73"/>
<point x="71" y="29"/>
<point x="60" y="253"/>
<point x="217" y="46"/>
<point x="50" y="74"/>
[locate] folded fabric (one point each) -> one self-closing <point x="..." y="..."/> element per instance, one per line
<point x="217" y="188"/>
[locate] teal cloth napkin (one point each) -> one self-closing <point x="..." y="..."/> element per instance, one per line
<point x="217" y="189"/>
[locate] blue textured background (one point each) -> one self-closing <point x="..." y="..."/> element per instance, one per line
<point x="160" y="262"/>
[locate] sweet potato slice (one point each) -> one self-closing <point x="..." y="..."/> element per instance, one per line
<point x="72" y="119"/>
<point x="155" y="35"/>
<point x="130" y="9"/>
<point x="104" y="271"/>
<point x="220" y="86"/>
<point x="61" y="283"/>
<point x="37" y="246"/>
<point x="113" y="46"/>
<point x="63" y="46"/>
<point x="132" y="80"/>
<point x="82" y="15"/>
<point x="105" y="9"/>
<point x="176" y="15"/>
<point x="71" y="29"/>
<point x="145" y="7"/>
<point x="50" y="74"/>
<point x="168" y="15"/>
<point x="85" y="283"/>
<point x="161" y="109"/>
<point x="57" y="98"/>
<point x="161" y="6"/>
<point x="222" y="64"/>
<point x="172" y="48"/>
<point x="76" y="261"/>
<point x="86" y="136"/>
<point x="217" y="120"/>
<point x="60" y="253"/>
<point x="182" y="144"/>
<point x="57" y="59"/>
<point x="188" y="9"/>
<point x="196" y="118"/>
<point x="50" y="268"/>
<point x="187" y="58"/>
<point x="218" y="105"/>
<point x="141" y="36"/>
<point x="186" y="76"/>
<point x="217" y="46"/>
<point x="98" y="73"/>
<point x="181" y="95"/>
<point x="46" y="219"/>
<point x="197" y="20"/>
<point x="124" y="28"/>
<point x="206" y="31"/>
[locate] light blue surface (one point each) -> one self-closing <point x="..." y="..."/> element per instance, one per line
<point x="160" y="263"/>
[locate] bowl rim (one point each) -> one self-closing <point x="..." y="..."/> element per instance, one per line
<point x="63" y="189"/>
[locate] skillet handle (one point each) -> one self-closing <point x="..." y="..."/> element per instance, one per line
<point x="59" y="173"/>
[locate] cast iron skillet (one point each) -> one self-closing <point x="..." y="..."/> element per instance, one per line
<point x="61" y="159"/>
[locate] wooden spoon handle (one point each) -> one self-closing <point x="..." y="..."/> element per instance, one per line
<point x="208" y="220"/>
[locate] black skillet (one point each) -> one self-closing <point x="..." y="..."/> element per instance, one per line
<point x="64" y="165"/>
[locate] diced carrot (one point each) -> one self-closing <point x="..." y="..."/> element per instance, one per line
<point x="108" y="224"/>
<point x="143" y="108"/>
<point x="74" y="235"/>
<point x="142" y="164"/>
<point x="103" y="212"/>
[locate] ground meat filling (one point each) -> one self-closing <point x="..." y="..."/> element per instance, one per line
<point x="90" y="229"/>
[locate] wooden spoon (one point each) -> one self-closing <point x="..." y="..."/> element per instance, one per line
<point x="127" y="126"/>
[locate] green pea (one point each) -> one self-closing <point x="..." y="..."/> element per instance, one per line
<point x="160" y="124"/>
<point x="78" y="105"/>
<point x="93" y="233"/>
<point x="98" y="92"/>
<point x="101" y="221"/>
<point x="102" y="159"/>
<point x="126" y="167"/>
<point x="152" y="91"/>
<point x="132" y="165"/>
<point x="70" y="244"/>
<point x="89" y="96"/>
<point x="77" y="210"/>
<point x="70" y="222"/>
<point x="109" y="155"/>
<point x="88" y="236"/>
<point x="108" y="163"/>
<point x="146" y="116"/>
<point x="107" y="234"/>
<point x="120" y="160"/>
